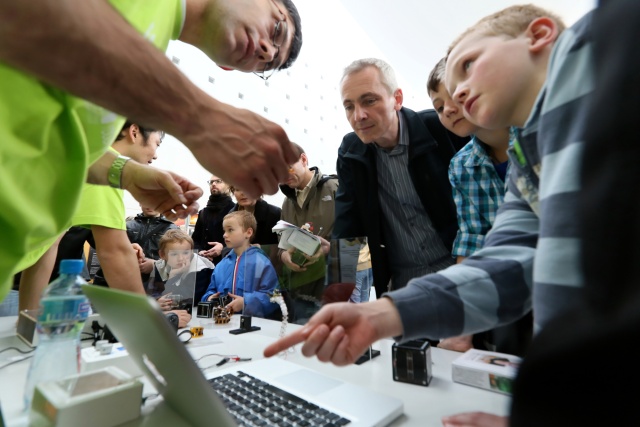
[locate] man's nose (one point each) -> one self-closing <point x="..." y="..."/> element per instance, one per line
<point x="267" y="51"/>
<point x="360" y="113"/>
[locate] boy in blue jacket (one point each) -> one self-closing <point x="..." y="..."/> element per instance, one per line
<point x="245" y="274"/>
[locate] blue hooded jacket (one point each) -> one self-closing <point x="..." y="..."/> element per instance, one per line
<point x="255" y="279"/>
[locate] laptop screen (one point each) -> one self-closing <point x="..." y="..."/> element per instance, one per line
<point x="154" y="346"/>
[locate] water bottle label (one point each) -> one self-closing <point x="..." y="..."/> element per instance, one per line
<point x="63" y="309"/>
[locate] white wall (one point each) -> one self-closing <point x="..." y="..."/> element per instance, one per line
<point x="305" y="100"/>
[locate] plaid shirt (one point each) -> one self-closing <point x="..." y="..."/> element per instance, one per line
<point x="478" y="192"/>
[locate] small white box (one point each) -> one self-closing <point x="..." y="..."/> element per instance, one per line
<point x="104" y="398"/>
<point x="486" y="369"/>
<point x="92" y="360"/>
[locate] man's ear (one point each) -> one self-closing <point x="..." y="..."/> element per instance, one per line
<point x="399" y="97"/>
<point x="542" y="32"/>
<point x="134" y="131"/>
<point x="305" y="160"/>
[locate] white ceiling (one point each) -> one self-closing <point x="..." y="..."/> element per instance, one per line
<point x="415" y="34"/>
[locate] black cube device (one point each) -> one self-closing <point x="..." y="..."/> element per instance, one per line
<point x="205" y="309"/>
<point x="412" y="362"/>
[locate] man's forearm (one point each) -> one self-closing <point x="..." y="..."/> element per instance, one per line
<point x="86" y="48"/>
<point x="121" y="271"/>
<point x="99" y="170"/>
<point x="35" y="279"/>
<point x="117" y="259"/>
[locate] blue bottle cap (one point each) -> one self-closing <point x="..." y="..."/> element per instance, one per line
<point x="71" y="266"/>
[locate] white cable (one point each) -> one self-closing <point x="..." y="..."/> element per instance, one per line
<point x="277" y="298"/>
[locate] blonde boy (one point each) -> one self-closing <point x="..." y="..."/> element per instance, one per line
<point x="245" y="274"/>
<point x="179" y="271"/>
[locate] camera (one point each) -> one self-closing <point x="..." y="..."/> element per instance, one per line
<point x="412" y="362"/>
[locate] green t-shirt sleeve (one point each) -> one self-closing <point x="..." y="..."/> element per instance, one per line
<point x="159" y="21"/>
<point x="101" y="205"/>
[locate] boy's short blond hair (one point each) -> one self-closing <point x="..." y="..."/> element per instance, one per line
<point x="436" y="76"/>
<point x="245" y="219"/>
<point x="511" y="22"/>
<point x="175" y="235"/>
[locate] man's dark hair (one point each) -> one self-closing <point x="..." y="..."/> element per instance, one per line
<point x="296" y="43"/>
<point x="146" y="132"/>
<point x="297" y="149"/>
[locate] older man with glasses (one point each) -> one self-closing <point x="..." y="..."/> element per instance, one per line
<point x="92" y="54"/>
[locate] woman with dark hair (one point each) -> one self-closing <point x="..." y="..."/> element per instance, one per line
<point x="266" y="216"/>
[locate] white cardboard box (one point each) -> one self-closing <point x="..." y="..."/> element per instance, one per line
<point x="103" y="398"/>
<point x="93" y="360"/>
<point x="486" y="369"/>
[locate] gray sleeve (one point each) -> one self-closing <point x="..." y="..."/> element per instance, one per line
<point x="490" y="288"/>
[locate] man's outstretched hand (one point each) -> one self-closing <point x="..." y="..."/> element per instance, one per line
<point x="340" y="333"/>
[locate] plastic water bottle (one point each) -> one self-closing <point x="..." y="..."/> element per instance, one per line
<point x="63" y="311"/>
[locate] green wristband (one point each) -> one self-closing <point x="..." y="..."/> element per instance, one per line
<point x="115" y="171"/>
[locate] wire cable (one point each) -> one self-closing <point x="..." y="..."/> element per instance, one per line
<point x="17" y="349"/>
<point x="16" y="361"/>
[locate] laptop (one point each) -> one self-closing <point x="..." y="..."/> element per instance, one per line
<point x="151" y="341"/>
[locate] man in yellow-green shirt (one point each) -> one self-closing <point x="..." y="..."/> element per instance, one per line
<point x="52" y="141"/>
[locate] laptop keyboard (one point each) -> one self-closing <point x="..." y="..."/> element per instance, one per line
<point x="253" y="402"/>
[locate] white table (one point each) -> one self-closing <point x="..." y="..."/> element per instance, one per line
<point x="423" y="406"/>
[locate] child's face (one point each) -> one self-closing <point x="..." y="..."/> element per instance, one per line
<point x="492" y="78"/>
<point x="450" y="113"/>
<point x="234" y="235"/>
<point x="177" y="255"/>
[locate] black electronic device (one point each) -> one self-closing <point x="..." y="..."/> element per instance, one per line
<point x="368" y="355"/>
<point x="412" y="362"/>
<point x="245" y="326"/>
<point x="173" y="319"/>
<point x="205" y="308"/>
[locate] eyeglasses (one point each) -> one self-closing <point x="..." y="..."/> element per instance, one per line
<point x="214" y="181"/>
<point x="280" y="33"/>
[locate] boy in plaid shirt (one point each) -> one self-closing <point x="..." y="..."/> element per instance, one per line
<point x="477" y="175"/>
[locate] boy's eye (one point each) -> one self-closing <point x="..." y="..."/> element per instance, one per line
<point x="467" y="64"/>
<point x="440" y="109"/>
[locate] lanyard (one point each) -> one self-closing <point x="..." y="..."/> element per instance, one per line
<point x="235" y="275"/>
